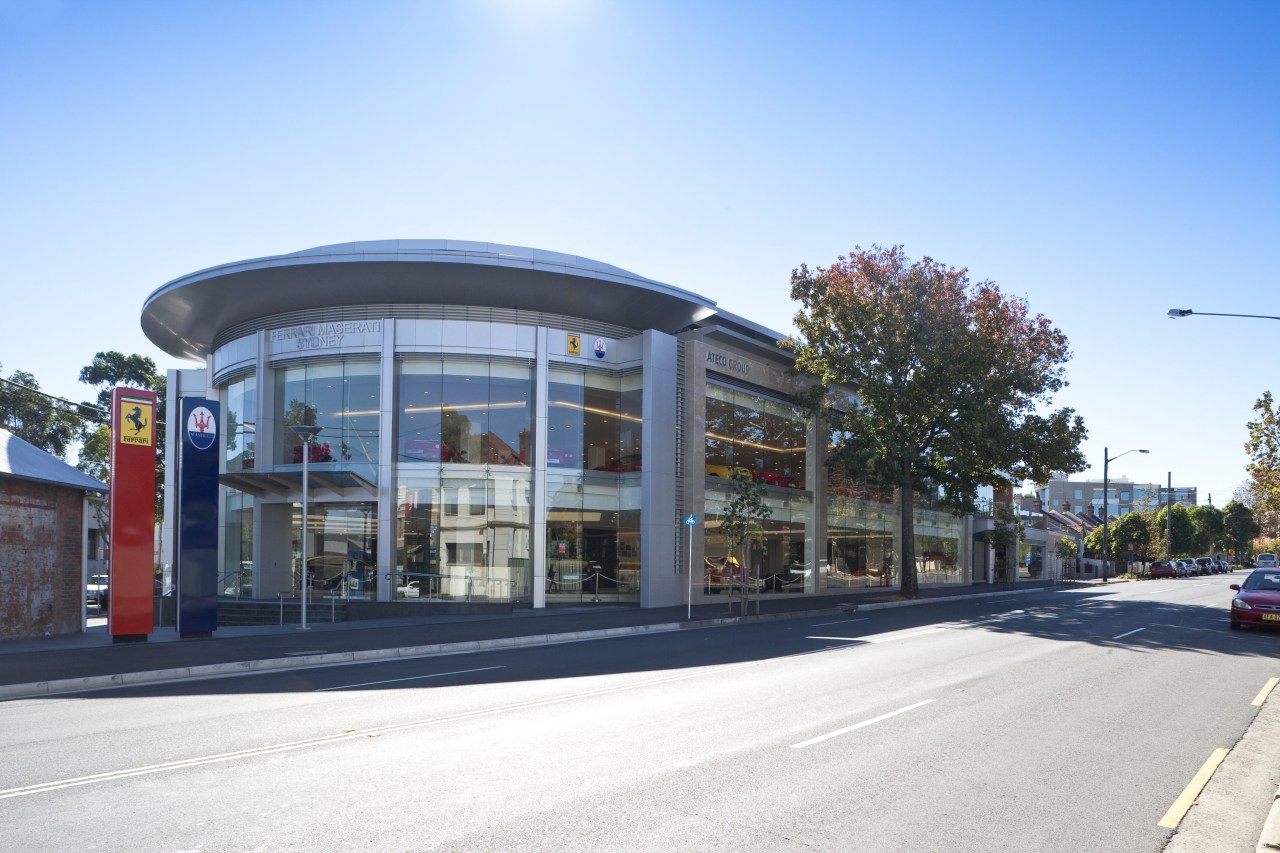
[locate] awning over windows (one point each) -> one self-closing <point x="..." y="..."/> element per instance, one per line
<point x="285" y="483"/>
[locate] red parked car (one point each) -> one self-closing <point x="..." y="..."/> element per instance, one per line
<point x="1162" y="569"/>
<point x="1257" y="600"/>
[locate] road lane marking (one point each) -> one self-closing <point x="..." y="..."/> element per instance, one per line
<point x="856" y="726"/>
<point x="1183" y="804"/>
<point x="839" y="622"/>
<point x="1265" y="692"/>
<point x="1128" y="634"/>
<point x="354" y="734"/>
<point x="882" y="639"/>
<point x="409" y="678"/>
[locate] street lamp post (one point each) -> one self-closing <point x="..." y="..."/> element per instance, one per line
<point x="1178" y="313"/>
<point x="307" y="433"/>
<point x="1106" y="503"/>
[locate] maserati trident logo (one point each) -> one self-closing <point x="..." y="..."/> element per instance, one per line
<point x="202" y="429"/>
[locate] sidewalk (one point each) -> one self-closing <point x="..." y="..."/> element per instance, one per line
<point x="90" y="660"/>
<point x="55" y="665"/>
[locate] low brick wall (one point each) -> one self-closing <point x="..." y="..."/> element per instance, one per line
<point x="41" y="552"/>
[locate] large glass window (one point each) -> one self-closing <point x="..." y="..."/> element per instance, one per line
<point x="767" y="438"/>
<point x="240" y="402"/>
<point x="342" y="398"/>
<point x="464" y="447"/>
<point x="938" y="534"/>
<point x="777" y="561"/>
<point x="342" y="548"/>
<point x="862" y="534"/>
<point x="593" y="537"/>
<point x="236" y="580"/>
<point x="594" y="421"/>
<point x="465" y="412"/>
<point x="462" y="538"/>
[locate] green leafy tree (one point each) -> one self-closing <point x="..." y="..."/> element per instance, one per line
<point x="1263" y="448"/>
<point x="1239" y="528"/>
<point x="1067" y="551"/>
<point x="1183" y="531"/>
<point x="1209" y="525"/>
<point x="1005" y="534"/>
<point x="741" y="522"/>
<point x="35" y="417"/>
<point x="1132" y="528"/>
<point x="953" y="380"/>
<point x="107" y="371"/>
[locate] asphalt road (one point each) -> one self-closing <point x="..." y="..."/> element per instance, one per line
<point x="1066" y="721"/>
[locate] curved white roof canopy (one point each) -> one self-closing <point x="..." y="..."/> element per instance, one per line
<point x="184" y="316"/>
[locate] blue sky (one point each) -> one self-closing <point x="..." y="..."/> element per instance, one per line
<point x="1106" y="161"/>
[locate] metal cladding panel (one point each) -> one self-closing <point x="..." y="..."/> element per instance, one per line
<point x="198" y="517"/>
<point x="133" y="512"/>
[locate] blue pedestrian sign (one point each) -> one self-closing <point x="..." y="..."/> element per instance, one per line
<point x="691" y="520"/>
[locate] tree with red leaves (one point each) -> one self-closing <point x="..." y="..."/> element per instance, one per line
<point x="952" y="380"/>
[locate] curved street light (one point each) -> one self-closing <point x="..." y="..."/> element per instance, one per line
<point x="1178" y="313"/>
<point x="1106" y="502"/>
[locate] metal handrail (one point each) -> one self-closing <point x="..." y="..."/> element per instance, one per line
<point x="428" y="580"/>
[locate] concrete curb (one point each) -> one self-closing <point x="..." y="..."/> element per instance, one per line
<point x="1269" y="841"/>
<point x="38" y="689"/>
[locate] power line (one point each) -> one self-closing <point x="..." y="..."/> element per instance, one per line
<point x="101" y="415"/>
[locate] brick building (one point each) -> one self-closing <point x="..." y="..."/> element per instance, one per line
<point x="42" y="541"/>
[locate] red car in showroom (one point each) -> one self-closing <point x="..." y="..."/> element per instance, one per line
<point x="1257" y="600"/>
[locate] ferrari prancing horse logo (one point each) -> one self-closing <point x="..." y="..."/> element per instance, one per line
<point x="135" y="422"/>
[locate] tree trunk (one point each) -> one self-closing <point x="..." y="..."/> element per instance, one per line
<point x="907" y="561"/>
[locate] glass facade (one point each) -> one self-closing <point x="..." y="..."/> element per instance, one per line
<point x="236" y="580"/>
<point x="340" y="397"/>
<point x="594" y="431"/>
<point x="239" y="436"/>
<point x="938" y="535"/>
<point x="594" y="421"/>
<point x="464" y="451"/>
<point x="240" y="407"/>
<point x="863" y="535"/>
<point x="593" y="537"/>
<point x="342" y="548"/>
<point x="463" y="454"/>
<point x="765" y="439"/>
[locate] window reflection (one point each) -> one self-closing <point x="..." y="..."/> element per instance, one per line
<point x="766" y="438"/>
<point x="342" y="398"/>
<point x="594" y="421"/>
<point x="465" y="412"/>
<point x="241" y="405"/>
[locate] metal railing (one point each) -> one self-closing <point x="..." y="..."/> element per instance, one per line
<point x="435" y="586"/>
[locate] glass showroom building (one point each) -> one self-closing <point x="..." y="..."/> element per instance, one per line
<point x="500" y="424"/>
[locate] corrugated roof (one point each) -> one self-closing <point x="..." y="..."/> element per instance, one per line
<point x="24" y="460"/>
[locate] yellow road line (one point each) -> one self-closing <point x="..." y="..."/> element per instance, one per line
<point x="1265" y="692"/>
<point x="1183" y="804"/>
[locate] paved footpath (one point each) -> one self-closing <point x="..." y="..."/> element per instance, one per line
<point x="49" y="666"/>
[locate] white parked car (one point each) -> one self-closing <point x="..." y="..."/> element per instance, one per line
<point x="1266" y="560"/>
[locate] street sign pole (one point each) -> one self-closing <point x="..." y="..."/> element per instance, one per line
<point x="689" y="522"/>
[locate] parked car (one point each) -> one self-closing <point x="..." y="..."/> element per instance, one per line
<point x="1257" y="600"/>
<point x="1266" y="560"/>
<point x="1162" y="569"/>
<point x="96" y="593"/>
<point x="1205" y="565"/>
<point x="1184" y="568"/>
<point x="772" y="478"/>
<point x="725" y="471"/>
